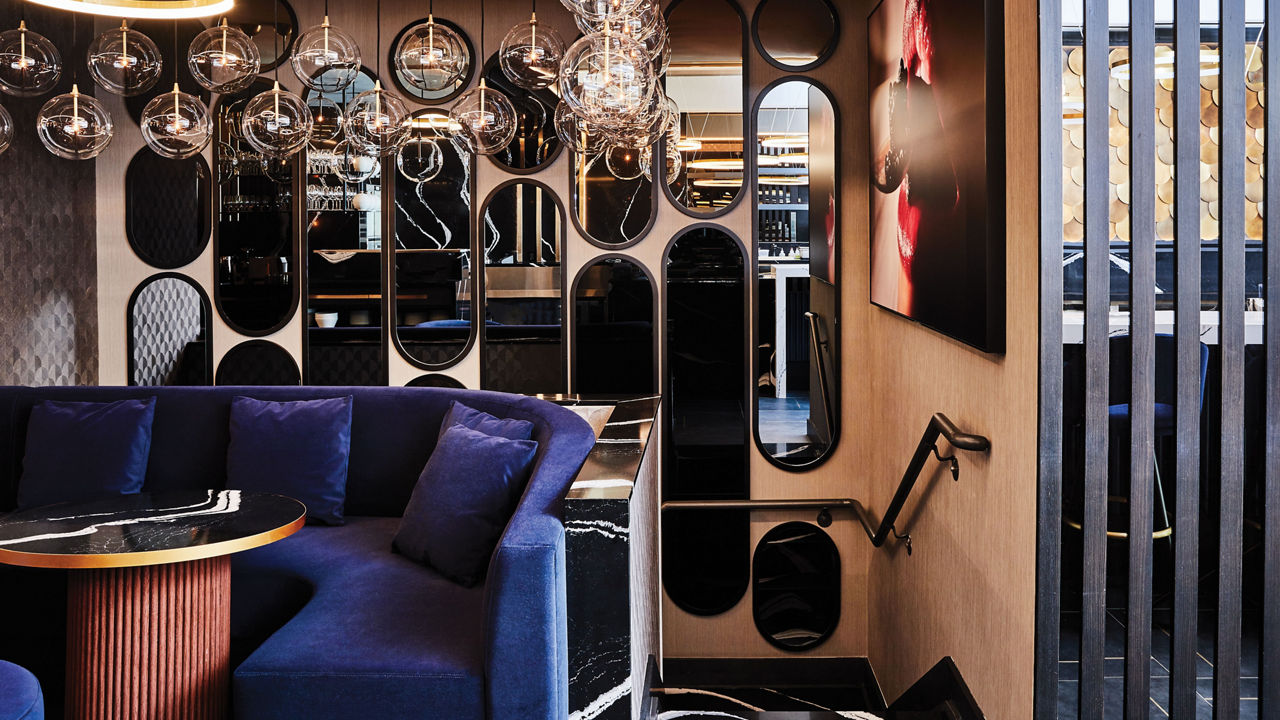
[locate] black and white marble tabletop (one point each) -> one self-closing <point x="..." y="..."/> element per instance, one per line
<point x="147" y="529"/>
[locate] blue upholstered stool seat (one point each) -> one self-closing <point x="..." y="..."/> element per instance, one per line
<point x="20" y="696"/>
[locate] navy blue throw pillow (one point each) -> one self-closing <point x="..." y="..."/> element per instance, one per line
<point x="462" y="502"/>
<point x="479" y="421"/>
<point x="80" y="451"/>
<point x="297" y="449"/>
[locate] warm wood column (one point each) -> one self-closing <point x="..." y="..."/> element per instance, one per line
<point x="149" y="642"/>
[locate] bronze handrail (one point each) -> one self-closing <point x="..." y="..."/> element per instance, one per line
<point x="821" y="359"/>
<point x="939" y="426"/>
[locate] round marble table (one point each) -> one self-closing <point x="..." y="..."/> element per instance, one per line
<point x="149" y="606"/>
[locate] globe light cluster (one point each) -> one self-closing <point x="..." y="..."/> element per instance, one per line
<point x="325" y="58"/>
<point x="223" y="59"/>
<point x="74" y="126"/>
<point x="124" y="62"/>
<point x="30" y="64"/>
<point x="431" y="56"/>
<point x="176" y="125"/>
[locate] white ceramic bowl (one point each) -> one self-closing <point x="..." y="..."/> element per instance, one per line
<point x="327" y="320"/>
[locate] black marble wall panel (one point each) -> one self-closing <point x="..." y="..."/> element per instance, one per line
<point x="48" y="251"/>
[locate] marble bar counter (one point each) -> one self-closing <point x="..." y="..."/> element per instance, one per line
<point x="611" y="546"/>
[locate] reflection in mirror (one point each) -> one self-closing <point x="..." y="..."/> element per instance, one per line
<point x="796" y="35"/>
<point x="271" y="24"/>
<point x="706" y="82"/>
<point x="432" y="276"/>
<point x="613" y="335"/>
<point x="256" y="284"/>
<point x="610" y="211"/>
<point x="706" y="556"/>
<point x="536" y="144"/>
<point x="161" y="32"/>
<point x="413" y="80"/>
<point x="170" y="326"/>
<point x="797" y="385"/>
<point x="524" y="307"/>
<point x="166" y="208"/>
<point x="343" y="338"/>
<point x="795" y="597"/>
<point x="258" y="363"/>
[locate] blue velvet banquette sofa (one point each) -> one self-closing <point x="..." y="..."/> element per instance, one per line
<point x="330" y="623"/>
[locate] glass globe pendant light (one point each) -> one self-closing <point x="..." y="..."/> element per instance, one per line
<point x="176" y="125"/>
<point x="29" y="64"/>
<point x="124" y="62"/>
<point x="607" y="79"/>
<point x="325" y="58"/>
<point x="223" y="59"/>
<point x="431" y="56"/>
<point x="74" y="126"/>
<point x="486" y="118"/>
<point x="641" y="23"/>
<point x="420" y="160"/>
<point x="354" y="163"/>
<point x="600" y="10"/>
<point x="326" y="119"/>
<point x="276" y="123"/>
<point x="624" y="163"/>
<point x="6" y="129"/>
<point x="530" y="54"/>
<point x="575" y="133"/>
<point x="378" y="120"/>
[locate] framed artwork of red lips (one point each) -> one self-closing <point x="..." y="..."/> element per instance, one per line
<point x="936" y="71"/>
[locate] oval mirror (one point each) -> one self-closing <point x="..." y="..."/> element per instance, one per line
<point x="258" y="363"/>
<point x="256" y="290"/>
<point x="536" y="144"/>
<point x="613" y="329"/>
<point x="796" y="35"/>
<point x="797" y="225"/>
<point x="166" y="209"/>
<point x="433" y="274"/>
<point x="271" y="23"/>
<point x="161" y="32"/>
<point x="170" y="327"/>
<point x="523" y="242"/>
<point x="611" y="212"/>
<point x="405" y="84"/>
<point x="706" y="553"/>
<point x="707" y="82"/>
<point x="796" y="590"/>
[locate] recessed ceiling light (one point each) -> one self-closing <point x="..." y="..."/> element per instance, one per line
<point x="149" y="9"/>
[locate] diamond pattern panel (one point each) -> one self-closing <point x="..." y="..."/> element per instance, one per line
<point x="166" y="315"/>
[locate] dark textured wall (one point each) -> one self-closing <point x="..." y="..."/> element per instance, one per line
<point x="48" y="237"/>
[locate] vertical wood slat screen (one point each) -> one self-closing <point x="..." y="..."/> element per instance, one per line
<point x="1228" y="467"/>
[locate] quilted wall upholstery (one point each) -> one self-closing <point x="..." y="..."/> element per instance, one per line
<point x="48" y="252"/>
<point x="166" y="316"/>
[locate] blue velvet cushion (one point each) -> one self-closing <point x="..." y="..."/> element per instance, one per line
<point x="78" y="451"/>
<point x="298" y="449"/>
<point x="20" y="696"/>
<point x="462" y="502"/>
<point x="1163" y="416"/>
<point x="483" y="422"/>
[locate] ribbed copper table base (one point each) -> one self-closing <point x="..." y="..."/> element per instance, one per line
<point x="150" y="642"/>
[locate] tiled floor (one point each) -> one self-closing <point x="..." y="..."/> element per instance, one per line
<point x="1161" y="647"/>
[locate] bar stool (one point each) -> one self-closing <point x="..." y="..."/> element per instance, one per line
<point x="20" y="696"/>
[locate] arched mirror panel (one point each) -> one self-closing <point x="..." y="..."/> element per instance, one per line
<point x="795" y="591"/>
<point x="343" y="341"/>
<point x="271" y="24"/>
<point x="436" y="380"/>
<point x="614" y="348"/>
<point x="612" y="206"/>
<point x="161" y="32"/>
<point x="256" y="277"/>
<point x="167" y="209"/>
<point x="706" y="553"/>
<point x="796" y="35"/>
<point x="797" y="366"/>
<point x="433" y="273"/>
<point x="170" y="326"/>
<point x="707" y="82"/>
<point x="258" y="363"/>
<point x="423" y="81"/>
<point x="523" y="242"/>
<point x="536" y="144"/>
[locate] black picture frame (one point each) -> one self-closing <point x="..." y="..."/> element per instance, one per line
<point x="965" y="299"/>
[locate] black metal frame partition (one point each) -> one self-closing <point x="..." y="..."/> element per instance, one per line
<point x="1187" y="331"/>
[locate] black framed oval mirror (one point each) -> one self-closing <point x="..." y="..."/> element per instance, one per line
<point x="258" y="363"/>
<point x="167" y="209"/>
<point x="536" y="144"/>
<point x="436" y="380"/>
<point x="403" y="81"/>
<point x="271" y="24"/>
<point x="614" y="340"/>
<point x="796" y="589"/>
<point x="256" y="281"/>
<point x="797" y="357"/>
<point x="795" y="35"/>
<point x="707" y="80"/>
<point x="433" y="273"/>
<point x="170" y="332"/>
<point x="706" y="553"/>
<point x="523" y="249"/>
<point x="343" y="341"/>
<point x="610" y="212"/>
<point x="161" y="32"/>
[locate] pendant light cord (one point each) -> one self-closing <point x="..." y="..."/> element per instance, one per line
<point x="175" y="53"/>
<point x="378" y="49"/>
<point x="275" y="38"/>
